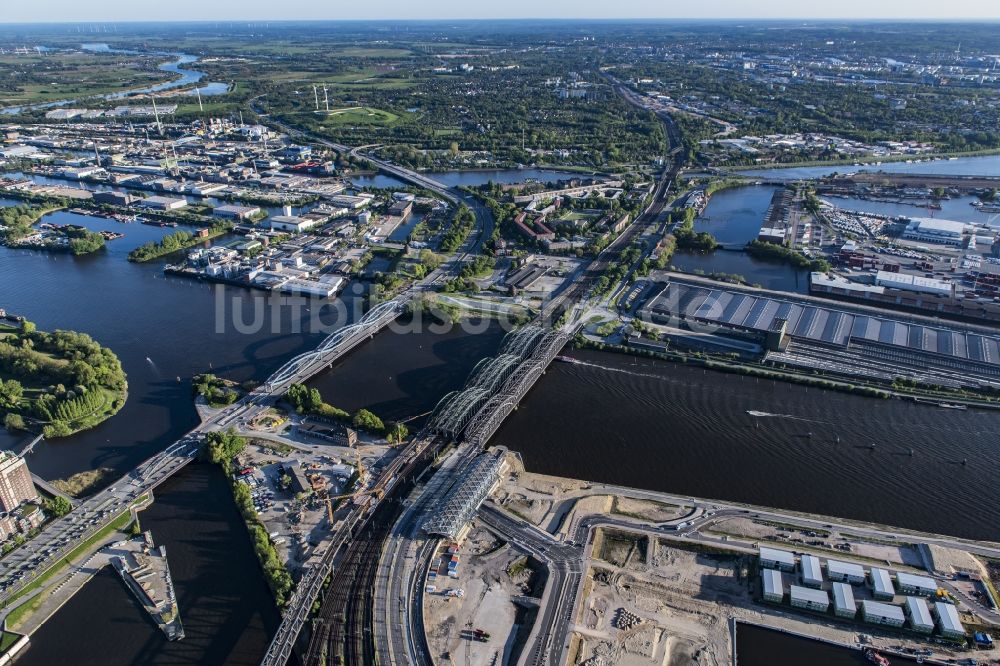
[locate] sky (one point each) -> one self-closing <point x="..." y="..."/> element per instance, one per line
<point x="17" y="11"/>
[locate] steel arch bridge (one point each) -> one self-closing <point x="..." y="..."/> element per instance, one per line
<point x="521" y="341"/>
<point x="491" y="374"/>
<point x="459" y="409"/>
<point x="372" y="321"/>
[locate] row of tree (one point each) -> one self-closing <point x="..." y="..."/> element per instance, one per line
<point x="221" y="448"/>
<point x="307" y="400"/>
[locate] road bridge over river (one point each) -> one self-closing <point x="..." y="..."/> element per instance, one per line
<point x="21" y="567"/>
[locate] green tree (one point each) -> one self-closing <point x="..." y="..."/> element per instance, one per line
<point x="11" y="393"/>
<point x="365" y="420"/>
<point x="397" y="432"/>
<point x="57" y="506"/>
<point x="13" y="422"/>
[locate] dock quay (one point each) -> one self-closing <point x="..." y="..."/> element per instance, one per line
<point x="143" y="567"/>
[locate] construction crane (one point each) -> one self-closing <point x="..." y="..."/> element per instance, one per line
<point x="364" y="491"/>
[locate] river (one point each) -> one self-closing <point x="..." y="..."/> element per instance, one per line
<point x="403" y="376"/>
<point x="676" y="428"/>
<point x="988" y="165"/>
<point x="162" y="328"/>
<point x="184" y="78"/>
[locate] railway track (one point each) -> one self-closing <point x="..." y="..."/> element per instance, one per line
<point x="343" y="630"/>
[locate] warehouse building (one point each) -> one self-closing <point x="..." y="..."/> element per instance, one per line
<point x="947" y="620"/>
<point x="808" y="598"/>
<point x="915" y="283"/>
<point x="843" y="601"/>
<point x="912" y="584"/>
<point x="882" y="585"/>
<point x="234" y="212"/>
<point x="845" y="572"/>
<point x="933" y="230"/>
<point x="774" y="586"/>
<point x="970" y="357"/>
<point x="874" y="612"/>
<point x="163" y="203"/>
<point x="772" y="558"/>
<point x="812" y="573"/>
<point x="114" y="198"/>
<point x="292" y="223"/>
<point x="919" y="615"/>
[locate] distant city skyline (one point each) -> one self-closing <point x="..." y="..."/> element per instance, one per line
<point x="261" y="10"/>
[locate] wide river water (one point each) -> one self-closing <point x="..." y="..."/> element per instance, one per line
<point x="988" y="165"/>
<point x="676" y="428"/>
<point x="165" y="328"/>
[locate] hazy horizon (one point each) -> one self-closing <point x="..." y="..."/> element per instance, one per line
<point x="70" y="11"/>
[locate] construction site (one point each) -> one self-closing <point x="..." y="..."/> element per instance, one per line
<point x="667" y="580"/>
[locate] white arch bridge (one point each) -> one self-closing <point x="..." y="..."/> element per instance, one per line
<point x="338" y="342"/>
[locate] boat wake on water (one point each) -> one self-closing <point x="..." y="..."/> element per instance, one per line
<point x="576" y="361"/>
<point x="756" y="414"/>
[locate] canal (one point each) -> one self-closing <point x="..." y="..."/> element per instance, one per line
<point x="227" y="610"/>
<point x="757" y="646"/>
<point x="735" y="216"/>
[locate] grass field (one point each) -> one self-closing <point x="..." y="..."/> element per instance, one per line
<point x="361" y="115"/>
<point x="70" y="75"/>
<point x="371" y="52"/>
<point x="7" y="640"/>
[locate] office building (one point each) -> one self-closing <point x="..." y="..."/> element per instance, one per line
<point x="882" y="585"/>
<point x="772" y="558"/>
<point x="16" y="486"/>
<point x="808" y="598"/>
<point x="878" y="613"/>
<point x="812" y="574"/>
<point x="774" y="587"/>
<point x="913" y="584"/>
<point x="843" y="600"/>
<point x="919" y="615"/>
<point x="845" y="572"/>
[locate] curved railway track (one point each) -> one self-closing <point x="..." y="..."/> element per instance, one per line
<point x="343" y="627"/>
